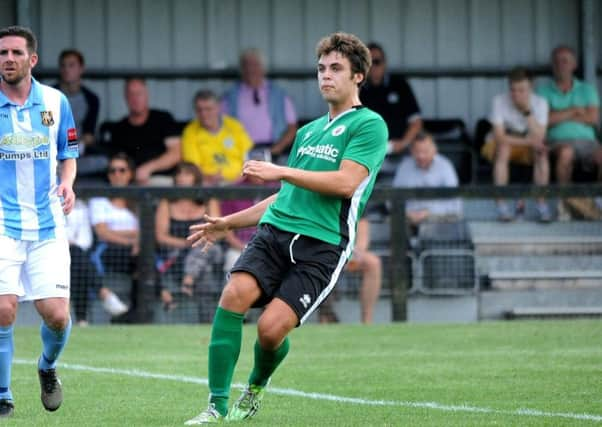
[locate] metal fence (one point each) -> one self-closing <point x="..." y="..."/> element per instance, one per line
<point x="440" y="259"/>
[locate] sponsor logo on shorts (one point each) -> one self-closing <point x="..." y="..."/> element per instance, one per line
<point x="305" y="300"/>
<point x="63" y="287"/>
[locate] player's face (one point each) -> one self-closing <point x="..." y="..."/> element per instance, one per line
<point x="120" y="173"/>
<point x="136" y="97"/>
<point x="207" y="112"/>
<point x="15" y="60"/>
<point x="337" y="82"/>
<point x="71" y="70"/>
<point x="520" y="93"/>
<point x="424" y="152"/>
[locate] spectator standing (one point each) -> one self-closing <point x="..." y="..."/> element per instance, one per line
<point x="392" y="98"/>
<point x="218" y="144"/>
<point x="150" y="137"/>
<point x="263" y="107"/>
<point x="519" y="119"/>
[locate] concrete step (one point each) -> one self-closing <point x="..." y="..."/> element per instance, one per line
<point x="552" y="312"/>
<point x="541" y="271"/>
<point x="530" y="238"/>
<point x="494" y="304"/>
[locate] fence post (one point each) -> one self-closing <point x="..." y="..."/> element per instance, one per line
<point x="145" y="293"/>
<point x="398" y="270"/>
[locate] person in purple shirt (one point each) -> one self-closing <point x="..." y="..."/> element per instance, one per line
<point x="263" y="107"/>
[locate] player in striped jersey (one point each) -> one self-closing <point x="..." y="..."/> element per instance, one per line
<point x="38" y="151"/>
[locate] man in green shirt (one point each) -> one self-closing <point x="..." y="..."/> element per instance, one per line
<point x="306" y="231"/>
<point x="574" y="116"/>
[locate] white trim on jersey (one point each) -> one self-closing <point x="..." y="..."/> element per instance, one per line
<point x="351" y="225"/>
<point x="26" y="192"/>
<point x="330" y="122"/>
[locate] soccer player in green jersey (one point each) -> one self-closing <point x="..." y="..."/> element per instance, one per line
<point x="306" y="230"/>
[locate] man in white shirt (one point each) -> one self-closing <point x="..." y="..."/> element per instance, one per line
<point x="427" y="168"/>
<point x="519" y="119"/>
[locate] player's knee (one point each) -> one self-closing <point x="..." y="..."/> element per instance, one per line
<point x="237" y="297"/>
<point x="57" y="320"/>
<point x="8" y="312"/>
<point x="270" y="334"/>
<point x="270" y="338"/>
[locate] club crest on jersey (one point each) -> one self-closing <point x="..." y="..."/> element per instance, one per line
<point x="47" y="119"/>
<point x="338" y="130"/>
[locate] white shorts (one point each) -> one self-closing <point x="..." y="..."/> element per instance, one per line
<point x="34" y="270"/>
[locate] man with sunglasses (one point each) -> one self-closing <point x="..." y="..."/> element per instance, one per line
<point x="38" y="137"/>
<point x="392" y="98"/>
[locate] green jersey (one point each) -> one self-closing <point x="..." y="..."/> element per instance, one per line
<point x="358" y="134"/>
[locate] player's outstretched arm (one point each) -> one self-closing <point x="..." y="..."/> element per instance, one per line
<point x="340" y="183"/>
<point x="215" y="228"/>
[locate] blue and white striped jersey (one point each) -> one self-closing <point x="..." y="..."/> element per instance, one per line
<point x="33" y="138"/>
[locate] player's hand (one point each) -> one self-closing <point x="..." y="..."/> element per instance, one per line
<point x="207" y="233"/>
<point x="263" y="170"/>
<point x="67" y="195"/>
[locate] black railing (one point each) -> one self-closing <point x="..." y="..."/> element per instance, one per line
<point x="146" y="198"/>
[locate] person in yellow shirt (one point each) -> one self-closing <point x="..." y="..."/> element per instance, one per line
<point x="218" y="144"/>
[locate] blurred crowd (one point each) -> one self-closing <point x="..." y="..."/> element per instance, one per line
<point x="551" y="128"/>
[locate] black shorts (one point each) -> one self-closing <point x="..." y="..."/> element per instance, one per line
<point x="300" y="270"/>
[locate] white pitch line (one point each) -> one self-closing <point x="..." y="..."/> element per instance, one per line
<point x="331" y="397"/>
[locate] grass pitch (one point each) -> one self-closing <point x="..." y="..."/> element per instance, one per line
<point x="536" y="373"/>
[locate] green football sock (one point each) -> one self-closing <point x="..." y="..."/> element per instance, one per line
<point x="224" y="349"/>
<point x="266" y="362"/>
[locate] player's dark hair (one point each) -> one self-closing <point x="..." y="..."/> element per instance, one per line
<point x="351" y="47"/>
<point x="26" y="33"/>
<point x="72" y="52"/>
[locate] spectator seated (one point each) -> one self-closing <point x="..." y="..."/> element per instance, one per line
<point x="453" y="141"/>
